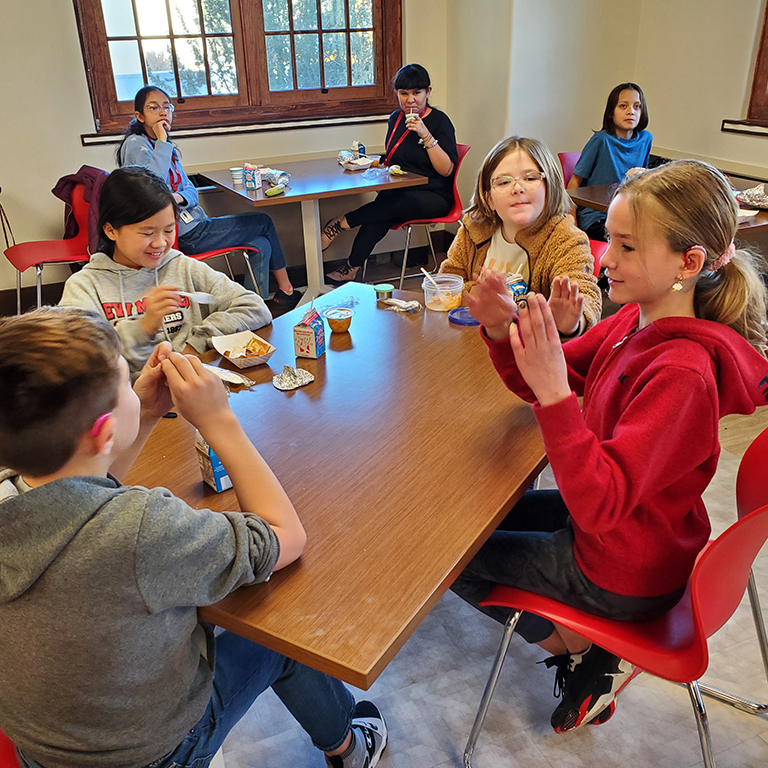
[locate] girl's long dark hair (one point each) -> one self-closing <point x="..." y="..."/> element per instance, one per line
<point x="128" y="196"/>
<point x="136" y="127"/>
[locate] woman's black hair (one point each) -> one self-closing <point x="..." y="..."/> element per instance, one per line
<point x="411" y="77"/>
<point x="136" y="126"/>
<point x="613" y="100"/>
<point x="130" y="195"/>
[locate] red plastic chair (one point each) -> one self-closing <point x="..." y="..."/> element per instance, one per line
<point x="224" y="252"/>
<point x="598" y="248"/>
<point x="39" y="253"/>
<point x="751" y="493"/>
<point x="673" y="647"/>
<point x="452" y="216"/>
<point x="8" y="757"/>
<point x="568" y="162"/>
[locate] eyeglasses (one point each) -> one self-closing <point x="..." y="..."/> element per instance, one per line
<point x="526" y="181"/>
<point x="153" y="107"/>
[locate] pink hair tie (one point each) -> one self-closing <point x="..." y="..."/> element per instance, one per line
<point x="721" y="261"/>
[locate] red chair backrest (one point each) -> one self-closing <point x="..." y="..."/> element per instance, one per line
<point x="598" y="248"/>
<point x="721" y="573"/>
<point x="8" y="757"/>
<point x="568" y="162"/>
<point x="80" y="211"/>
<point x="752" y="479"/>
<point x="457" y="209"/>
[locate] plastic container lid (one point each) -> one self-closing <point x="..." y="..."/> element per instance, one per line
<point x="383" y="287"/>
<point x="461" y="316"/>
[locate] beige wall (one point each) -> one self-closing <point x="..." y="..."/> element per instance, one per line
<point x="695" y="61"/>
<point x="535" y="67"/>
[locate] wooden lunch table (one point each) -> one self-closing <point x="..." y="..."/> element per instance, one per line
<point x="401" y="458"/>
<point x="599" y="196"/>
<point x="312" y="180"/>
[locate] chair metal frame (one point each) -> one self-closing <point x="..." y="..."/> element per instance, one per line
<point x="451" y="217"/>
<point x="41" y="252"/>
<point x="673" y="647"/>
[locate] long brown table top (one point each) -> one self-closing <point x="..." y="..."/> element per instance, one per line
<point x="599" y="196"/>
<point x="314" y="179"/>
<point x="401" y="458"/>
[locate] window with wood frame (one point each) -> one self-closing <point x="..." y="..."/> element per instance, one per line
<point x="234" y="62"/>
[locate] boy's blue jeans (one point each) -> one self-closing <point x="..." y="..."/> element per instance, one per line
<point x="321" y="705"/>
<point x="254" y="229"/>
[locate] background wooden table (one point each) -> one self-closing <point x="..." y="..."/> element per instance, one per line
<point x="401" y="458"/>
<point x="312" y="180"/>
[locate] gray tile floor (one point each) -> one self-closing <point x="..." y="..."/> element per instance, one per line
<point x="430" y="691"/>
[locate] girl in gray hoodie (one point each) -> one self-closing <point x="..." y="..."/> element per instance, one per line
<point x="138" y="281"/>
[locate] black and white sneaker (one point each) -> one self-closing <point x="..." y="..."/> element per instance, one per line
<point x="369" y="738"/>
<point x="593" y="681"/>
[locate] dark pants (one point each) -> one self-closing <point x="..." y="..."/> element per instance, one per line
<point x="532" y="549"/>
<point x="390" y="208"/>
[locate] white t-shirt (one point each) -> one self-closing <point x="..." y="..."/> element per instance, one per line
<point x="507" y="258"/>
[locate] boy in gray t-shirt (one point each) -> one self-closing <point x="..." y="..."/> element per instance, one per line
<point x="103" y="661"/>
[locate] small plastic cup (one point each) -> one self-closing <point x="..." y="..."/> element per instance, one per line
<point x="339" y="319"/>
<point x="237" y="175"/>
<point x="444" y="296"/>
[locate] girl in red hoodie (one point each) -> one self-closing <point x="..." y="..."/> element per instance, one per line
<point x="621" y="534"/>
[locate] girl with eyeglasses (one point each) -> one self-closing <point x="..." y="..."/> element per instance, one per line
<point x="622" y="145"/>
<point x="518" y="224"/>
<point x="147" y="143"/>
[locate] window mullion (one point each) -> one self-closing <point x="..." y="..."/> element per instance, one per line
<point x="349" y="42"/>
<point x="204" y="41"/>
<point x="139" y="41"/>
<point x="291" y="46"/>
<point x="321" y="48"/>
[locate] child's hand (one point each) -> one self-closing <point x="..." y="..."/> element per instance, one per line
<point x="199" y="396"/>
<point x="151" y="386"/>
<point x="492" y="304"/>
<point x="162" y="129"/>
<point x="538" y="351"/>
<point x="566" y="305"/>
<point x="159" y="302"/>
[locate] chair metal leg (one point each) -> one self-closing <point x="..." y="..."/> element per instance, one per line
<point x="490" y="687"/>
<point x="365" y="267"/>
<point x="405" y="256"/>
<point x="431" y="246"/>
<point x="18" y="292"/>
<point x="746" y="705"/>
<point x="229" y="267"/>
<point x="250" y="270"/>
<point x="702" y="724"/>
<point x="39" y="285"/>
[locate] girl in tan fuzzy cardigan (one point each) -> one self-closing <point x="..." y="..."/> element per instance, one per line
<point x="518" y="224"/>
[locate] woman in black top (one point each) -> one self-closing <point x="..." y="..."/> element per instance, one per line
<point x="420" y="139"/>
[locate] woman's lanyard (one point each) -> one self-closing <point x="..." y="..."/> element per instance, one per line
<point x="174" y="175"/>
<point x="389" y="152"/>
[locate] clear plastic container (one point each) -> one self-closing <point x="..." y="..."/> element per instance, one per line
<point x="446" y="295"/>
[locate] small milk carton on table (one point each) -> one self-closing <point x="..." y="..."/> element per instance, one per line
<point x="211" y="467"/>
<point x="309" y="335"/>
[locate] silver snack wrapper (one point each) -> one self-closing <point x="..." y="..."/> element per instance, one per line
<point x="230" y="377"/>
<point x="292" y="378"/>
<point x="755" y="197"/>
<point x="278" y="178"/>
<point x="398" y="305"/>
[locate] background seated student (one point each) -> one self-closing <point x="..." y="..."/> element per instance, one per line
<point x="517" y="224"/>
<point x="621" y="145"/>
<point x="620" y="536"/>
<point x="147" y="142"/>
<point x="134" y="281"/>
<point x="420" y="139"/>
<point x="104" y="660"/>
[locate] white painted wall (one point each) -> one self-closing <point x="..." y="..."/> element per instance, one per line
<point x="695" y="61"/>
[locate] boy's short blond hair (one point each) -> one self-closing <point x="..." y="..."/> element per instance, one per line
<point x="58" y="373"/>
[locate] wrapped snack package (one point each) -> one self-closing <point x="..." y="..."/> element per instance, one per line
<point x="292" y="378"/>
<point x="398" y="305"/>
<point x="755" y="197"/>
<point x="230" y="377"/>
